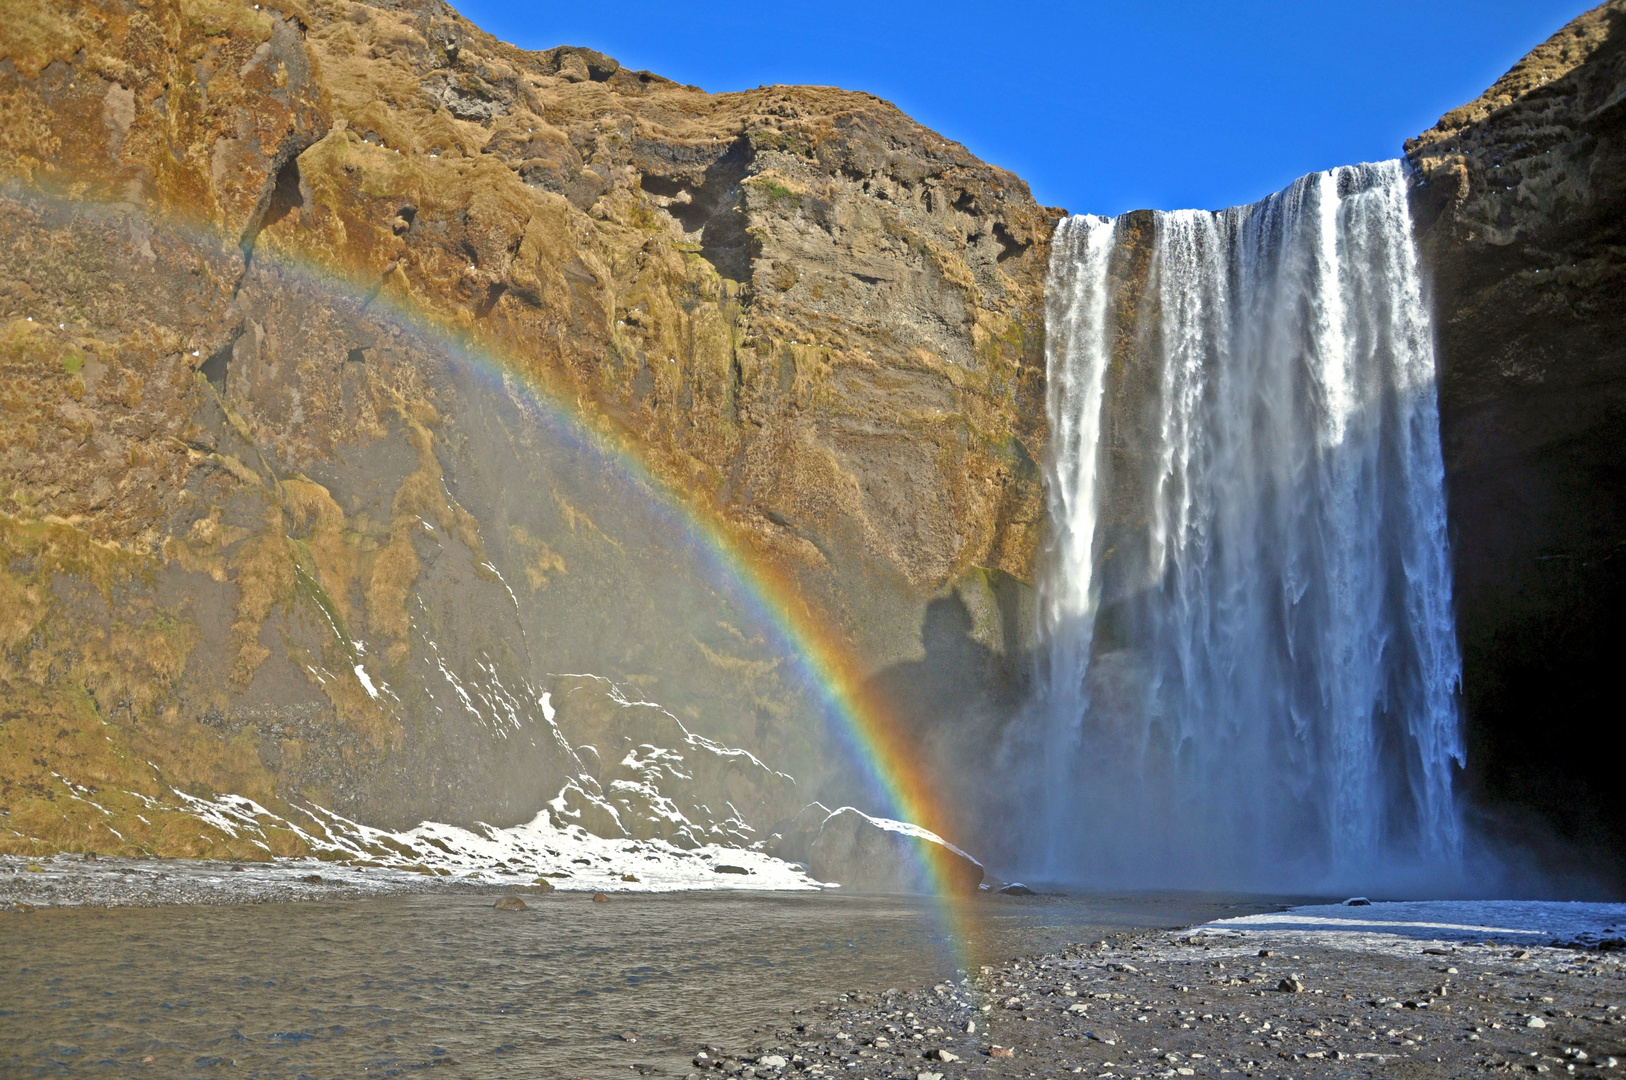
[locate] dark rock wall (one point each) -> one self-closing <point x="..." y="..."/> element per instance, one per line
<point x="1521" y="208"/>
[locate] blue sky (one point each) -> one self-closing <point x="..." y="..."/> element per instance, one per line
<point x="1101" y="107"/>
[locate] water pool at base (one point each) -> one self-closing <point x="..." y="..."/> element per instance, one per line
<point x="398" y="985"/>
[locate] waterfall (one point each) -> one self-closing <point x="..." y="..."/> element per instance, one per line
<point x="1249" y="668"/>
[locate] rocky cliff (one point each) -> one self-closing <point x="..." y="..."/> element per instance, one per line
<point x="328" y="330"/>
<point x="1521" y="209"/>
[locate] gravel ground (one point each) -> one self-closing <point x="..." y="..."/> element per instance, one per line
<point x="1152" y="1004"/>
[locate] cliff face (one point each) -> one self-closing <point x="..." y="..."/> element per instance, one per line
<point x="283" y="511"/>
<point x="1521" y="208"/>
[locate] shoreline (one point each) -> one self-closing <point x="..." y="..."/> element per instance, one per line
<point x="1390" y="990"/>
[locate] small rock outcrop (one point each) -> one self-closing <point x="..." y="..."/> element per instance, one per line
<point x="795" y="837"/>
<point x="867" y="854"/>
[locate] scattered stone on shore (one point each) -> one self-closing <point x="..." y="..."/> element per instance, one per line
<point x="509" y="903"/>
<point x="725" y="868"/>
<point x="1201" y="1005"/>
<point x="1016" y="888"/>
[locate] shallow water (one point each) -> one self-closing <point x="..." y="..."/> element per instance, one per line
<point x="387" y="986"/>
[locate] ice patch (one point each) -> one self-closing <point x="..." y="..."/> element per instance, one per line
<point x="1384" y="926"/>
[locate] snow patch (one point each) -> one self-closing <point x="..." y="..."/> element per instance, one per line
<point x="366" y="682"/>
<point x="569" y="857"/>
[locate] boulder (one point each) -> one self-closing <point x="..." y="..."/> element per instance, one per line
<point x="509" y="903"/>
<point x="880" y="855"/>
<point x="796" y="836"/>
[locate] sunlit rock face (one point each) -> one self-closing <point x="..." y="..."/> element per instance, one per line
<point x="284" y="514"/>
<point x="1521" y="207"/>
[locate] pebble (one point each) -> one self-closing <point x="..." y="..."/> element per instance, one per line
<point x="1535" y="1022"/>
<point x="1203" y="1006"/>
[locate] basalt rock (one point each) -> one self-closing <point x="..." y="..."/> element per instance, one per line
<point x="307" y="313"/>
<point x="1521" y="211"/>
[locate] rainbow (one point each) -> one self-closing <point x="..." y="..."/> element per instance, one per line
<point x="862" y="722"/>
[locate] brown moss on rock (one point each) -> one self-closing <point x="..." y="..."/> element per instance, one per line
<point x="812" y="319"/>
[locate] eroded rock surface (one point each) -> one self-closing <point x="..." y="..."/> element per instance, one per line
<point x="317" y="320"/>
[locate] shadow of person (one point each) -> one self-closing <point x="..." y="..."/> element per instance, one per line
<point x="951" y="707"/>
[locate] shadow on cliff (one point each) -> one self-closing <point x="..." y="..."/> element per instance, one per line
<point x="953" y="704"/>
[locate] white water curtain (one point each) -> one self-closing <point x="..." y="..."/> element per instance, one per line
<point x="1250" y="669"/>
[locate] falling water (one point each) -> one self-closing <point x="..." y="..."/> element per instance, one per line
<point x="1250" y="664"/>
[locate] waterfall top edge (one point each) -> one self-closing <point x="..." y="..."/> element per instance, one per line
<point x="1398" y="164"/>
